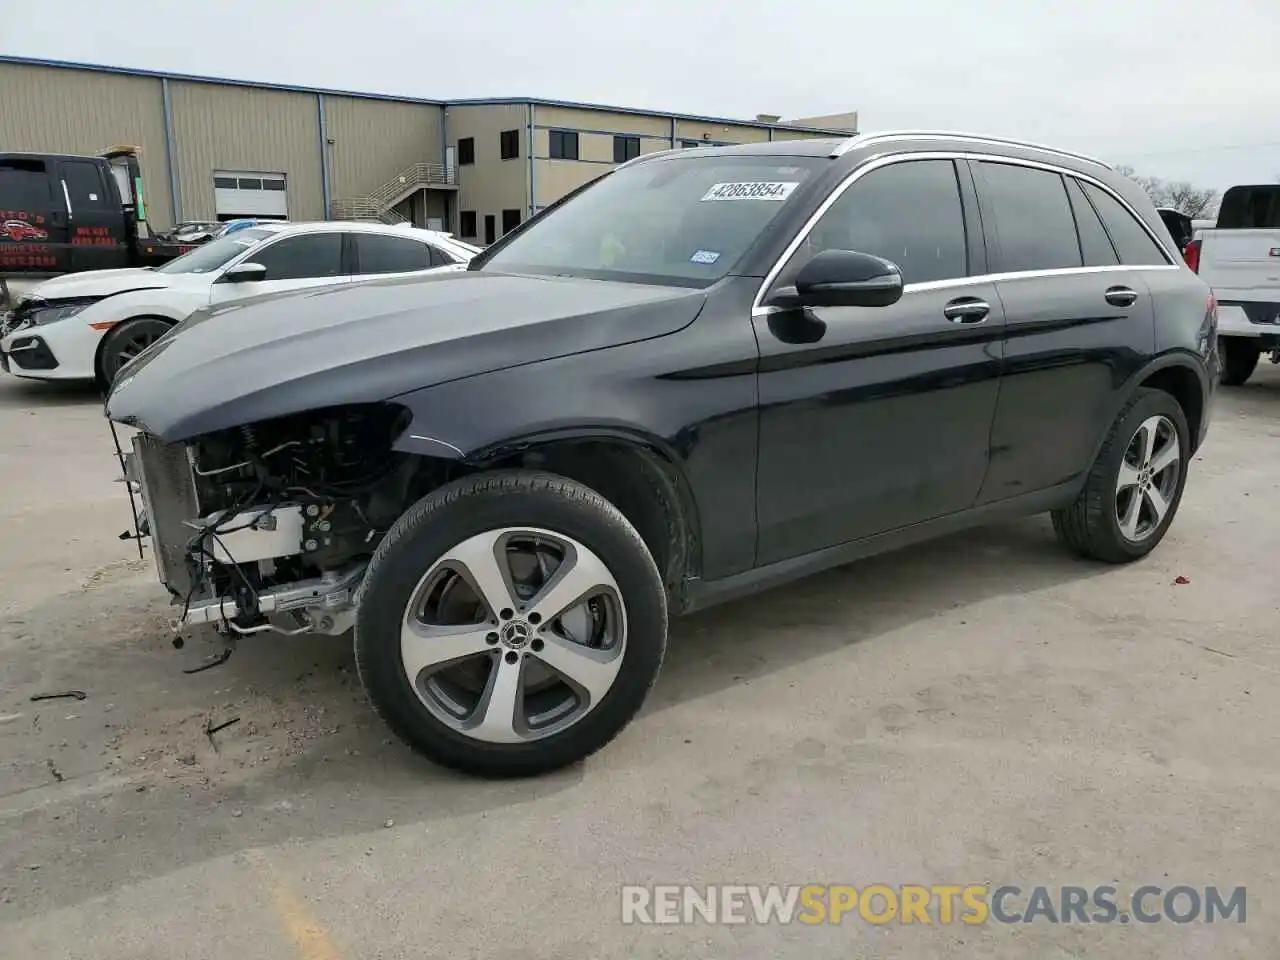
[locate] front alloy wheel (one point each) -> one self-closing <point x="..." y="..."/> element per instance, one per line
<point x="510" y="623"/>
<point x="514" y="635"/>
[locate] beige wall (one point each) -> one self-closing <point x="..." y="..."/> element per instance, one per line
<point x="374" y="140"/>
<point x="52" y="110"/>
<point x="580" y="118"/>
<point x="720" y="132"/>
<point x="801" y="135"/>
<point x="217" y="127"/>
<point x="491" y="184"/>
<point x="831" y="121"/>
<point x="554" y="178"/>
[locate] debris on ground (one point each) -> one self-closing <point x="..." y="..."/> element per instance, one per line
<point x="76" y="694"/>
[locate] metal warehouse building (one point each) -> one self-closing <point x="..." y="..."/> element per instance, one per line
<point x="218" y="149"/>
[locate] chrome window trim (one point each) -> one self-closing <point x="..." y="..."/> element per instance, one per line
<point x="888" y="159"/>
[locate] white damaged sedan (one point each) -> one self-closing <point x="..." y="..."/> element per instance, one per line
<point x="86" y="326"/>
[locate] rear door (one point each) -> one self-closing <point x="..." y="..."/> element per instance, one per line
<point x="873" y="418"/>
<point x="295" y="262"/>
<point x="1077" y="316"/>
<point x="95" y="218"/>
<point x="33" y="228"/>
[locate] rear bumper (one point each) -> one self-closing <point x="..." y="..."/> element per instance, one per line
<point x="1249" y="318"/>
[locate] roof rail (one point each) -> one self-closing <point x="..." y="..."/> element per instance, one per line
<point x="860" y="139"/>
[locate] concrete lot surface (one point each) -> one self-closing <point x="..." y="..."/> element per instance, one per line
<point x="983" y="709"/>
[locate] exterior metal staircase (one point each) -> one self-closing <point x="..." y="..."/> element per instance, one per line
<point x="380" y="204"/>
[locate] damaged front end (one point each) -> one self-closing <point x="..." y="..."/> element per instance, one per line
<point x="269" y="527"/>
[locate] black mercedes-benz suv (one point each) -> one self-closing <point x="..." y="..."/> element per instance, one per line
<point x="706" y="373"/>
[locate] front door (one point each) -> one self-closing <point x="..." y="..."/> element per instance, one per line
<point x="293" y="263"/>
<point x="874" y="418"/>
<point x="1078" y="315"/>
<point x="95" y="218"/>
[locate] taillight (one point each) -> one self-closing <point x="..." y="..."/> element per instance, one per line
<point x="1191" y="254"/>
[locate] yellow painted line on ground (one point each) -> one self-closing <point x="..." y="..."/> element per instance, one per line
<point x="299" y="924"/>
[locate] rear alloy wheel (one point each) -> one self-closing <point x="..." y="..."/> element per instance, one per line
<point x="510" y="624"/>
<point x="1133" y="491"/>
<point x="1237" y="358"/>
<point x="125" y="341"/>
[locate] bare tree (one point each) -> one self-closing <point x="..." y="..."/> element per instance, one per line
<point x="1180" y="195"/>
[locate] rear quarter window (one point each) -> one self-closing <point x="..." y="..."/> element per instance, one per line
<point x="1132" y="242"/>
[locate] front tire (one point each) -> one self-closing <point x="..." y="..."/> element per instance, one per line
<point x="124" y="342"/>
<point x="1133" y="491"/>
<point x="1237" y="358"/>
<point x="510" y="624"/>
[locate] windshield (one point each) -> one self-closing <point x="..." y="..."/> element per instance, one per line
<point x="687" y="220"/>
<point x="215" y="253"/>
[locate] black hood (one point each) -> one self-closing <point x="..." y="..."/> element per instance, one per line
<point x="376" y="340"/>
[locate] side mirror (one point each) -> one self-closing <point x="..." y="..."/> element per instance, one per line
<point x="845" y="278"/>
<point x="245" y="273"/>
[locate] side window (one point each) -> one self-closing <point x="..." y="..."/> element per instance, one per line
<point x="1094" y="242"/>
<point x="302" y="258"/>
<point x="25" y="184"/>
<point x="1134" y="244"/>
<point x="85" y="186"/>
<point x="378" y="254"/>
<point x="440" y="258"/>
<point x="908" y="213"/>
<point x="1032" y="218"/>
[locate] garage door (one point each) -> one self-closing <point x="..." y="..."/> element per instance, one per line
<point x="247" y="194"/>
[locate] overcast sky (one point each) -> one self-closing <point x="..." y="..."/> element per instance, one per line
<point x="1179" y="89"/>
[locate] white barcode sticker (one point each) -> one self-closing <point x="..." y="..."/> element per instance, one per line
<point x="751" y="190"/>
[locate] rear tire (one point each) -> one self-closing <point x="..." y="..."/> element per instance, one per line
<point x="1238" y="356"/>
<point x="437" y="679"/>
<point x="124" y="342"/>
<point x="1143" y="459"/>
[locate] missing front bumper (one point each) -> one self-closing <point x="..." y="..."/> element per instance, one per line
<point x="323" y="605"/>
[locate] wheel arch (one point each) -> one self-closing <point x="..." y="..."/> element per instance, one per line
<point x="106" y="333"/>
<point x="1182" y="375"/>
<point x="637" y="472"/>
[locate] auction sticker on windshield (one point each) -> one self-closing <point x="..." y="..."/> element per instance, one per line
<point x="751" y="190"/>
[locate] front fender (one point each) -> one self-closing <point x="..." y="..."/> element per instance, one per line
<point x="167" y="304"/>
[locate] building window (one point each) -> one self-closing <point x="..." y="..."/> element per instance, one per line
<point x="467" y="223"/>
<point x="564" y="145"/>
<point x="510" y="144"/>
<point x="466" y="151"/>
<point x="490" y="228"/>
<point x="690" y="144"/>
<point x="625" y="148"/>
<point x="510" y="220"/>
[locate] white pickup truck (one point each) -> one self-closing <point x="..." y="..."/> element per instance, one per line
<point x="1239" y="257"/>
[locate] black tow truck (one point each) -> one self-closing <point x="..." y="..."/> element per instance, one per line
<point x="64" y="214"/>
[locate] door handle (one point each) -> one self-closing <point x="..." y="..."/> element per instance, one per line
<point x="1121" y="296"/>
<point x="966" y="310"/>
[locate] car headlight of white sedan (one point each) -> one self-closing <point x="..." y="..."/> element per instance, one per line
<point x="59" y="311"/>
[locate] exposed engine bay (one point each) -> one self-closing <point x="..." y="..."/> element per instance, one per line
<point x="275" y="518"/>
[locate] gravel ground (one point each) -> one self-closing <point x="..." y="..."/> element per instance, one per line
<point x="982" y="709"/>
